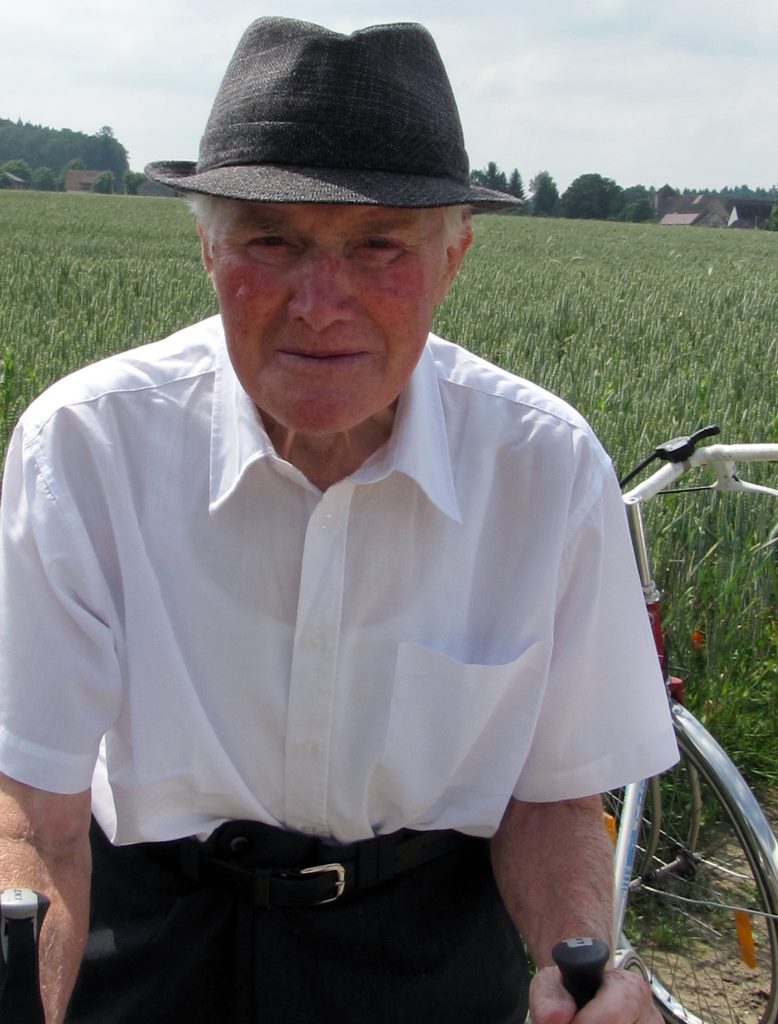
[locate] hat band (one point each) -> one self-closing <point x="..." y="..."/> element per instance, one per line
<point x="334" y="146"/>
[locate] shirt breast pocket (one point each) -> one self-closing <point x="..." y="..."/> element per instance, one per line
<point x="458" y="736"/>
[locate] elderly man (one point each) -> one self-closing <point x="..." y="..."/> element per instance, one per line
<point x="328" y="626"/>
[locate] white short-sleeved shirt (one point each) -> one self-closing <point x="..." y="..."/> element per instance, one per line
<point x="193" y="628"/>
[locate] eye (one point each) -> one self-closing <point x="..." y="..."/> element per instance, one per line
<point x="270" y="248"/>
<point x="268" y="241"/>
<point x="379" y="251"/>
<point x="384" y="244"/>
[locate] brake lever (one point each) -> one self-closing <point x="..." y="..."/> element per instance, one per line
<point x="678" y="449"/>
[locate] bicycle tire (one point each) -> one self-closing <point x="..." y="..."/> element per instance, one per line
<point x="681" y="928"/>
<point x="649" y="832"/>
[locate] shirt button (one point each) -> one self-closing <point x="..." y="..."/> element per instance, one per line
<point x="326" y="521"/>
<point x="316" y="640"/>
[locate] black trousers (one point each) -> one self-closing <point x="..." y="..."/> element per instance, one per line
<point x="433" y="944"/>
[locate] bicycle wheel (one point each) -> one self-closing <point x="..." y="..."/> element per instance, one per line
<point x="649" y="832"/>
<point x="701" y="919"/>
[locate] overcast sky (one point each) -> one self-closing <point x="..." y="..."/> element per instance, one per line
<point x="684" y="92"/>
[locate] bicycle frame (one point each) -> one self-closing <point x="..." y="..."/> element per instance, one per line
<point x="723" y="460"/>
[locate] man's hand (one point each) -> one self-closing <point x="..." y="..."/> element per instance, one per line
<point x="552" y="864"/>
<point x="624" y="998"/>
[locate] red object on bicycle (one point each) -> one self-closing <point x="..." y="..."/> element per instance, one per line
<point x="655" y="618"/>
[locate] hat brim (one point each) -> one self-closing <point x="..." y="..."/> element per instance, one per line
<point x="270" y="183"/>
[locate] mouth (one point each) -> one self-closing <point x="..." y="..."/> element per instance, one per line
<point x="318" y="356"/>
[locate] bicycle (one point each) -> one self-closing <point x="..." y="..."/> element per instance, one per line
<point x="696" y="862"/>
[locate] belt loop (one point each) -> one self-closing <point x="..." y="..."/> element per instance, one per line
<point x="387" y="867"/>
<point x="189" y="856"/>
<point x="367" y="864"/>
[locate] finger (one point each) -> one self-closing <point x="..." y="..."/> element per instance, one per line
<point x="549" y="1000"/>
<point x="623" y="998"/>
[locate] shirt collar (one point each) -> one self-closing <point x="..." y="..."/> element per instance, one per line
<point x="238" y="438"/>
<point x="418" y="446"/>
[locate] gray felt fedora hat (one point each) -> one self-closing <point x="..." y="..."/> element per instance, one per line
<point x="304" y="114"/>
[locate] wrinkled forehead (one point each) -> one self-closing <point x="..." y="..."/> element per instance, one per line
<point x="315" y="218"/>
<point x="330" y="213"/>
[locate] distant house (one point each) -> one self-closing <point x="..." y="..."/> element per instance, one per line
<point x="12" y="181"/>
<point x="81" y="181"/>
<point x="749" y="213"/>
<point x="691" y="211"/>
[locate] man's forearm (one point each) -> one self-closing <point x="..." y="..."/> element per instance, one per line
<point x="65" y="927"/>
<point x="552" y="864"/>
<point x="55" y="860"/>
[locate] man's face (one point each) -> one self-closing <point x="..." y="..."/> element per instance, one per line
<point x="326" y="308"/>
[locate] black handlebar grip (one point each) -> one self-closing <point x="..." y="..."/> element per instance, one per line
<point x="582" y="963"/>
<point x="21" y="915"/>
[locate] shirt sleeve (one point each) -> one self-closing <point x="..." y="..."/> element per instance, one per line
<point x="59" y="679"/>
<point x="605" y="718"/>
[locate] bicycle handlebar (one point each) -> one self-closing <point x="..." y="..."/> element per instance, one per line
<point x="581" y="963"/>
<point x="721" y="457"/>
<point x="21" y="915"/>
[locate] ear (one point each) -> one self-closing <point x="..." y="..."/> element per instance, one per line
<point x="452" y="261"/>
<point x="205" y="249"/>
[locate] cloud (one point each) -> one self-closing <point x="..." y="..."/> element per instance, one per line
<point x="639" y="101"/>
<point x="680" y="92"/>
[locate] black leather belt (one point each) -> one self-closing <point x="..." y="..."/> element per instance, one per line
<point x="243" y="857"/>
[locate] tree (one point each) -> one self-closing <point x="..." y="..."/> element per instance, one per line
<point x="54" y="148"/>
<point x="545" y="195"/>
<point x="637" y="204"/>
<point x="104" y="183"/>
<point x="515" y="185"/>
<point x="132" y="180"/>
<point x="745" y="192"/>
<point x="638" y="211"/>
<point x="771" y="224"/>
<point x="592" y="197"/>
<point x="490" y="177"/>
<point x="104" y="153"/>
<point x="43" y="179"/>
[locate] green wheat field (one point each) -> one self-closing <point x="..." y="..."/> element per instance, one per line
<point x="650" y="332"/>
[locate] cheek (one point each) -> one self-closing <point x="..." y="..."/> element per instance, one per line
<point x="418" y="279"/>
<point x="237" y="283"/>
<point x="247" y="297"/>
<point x="407" y="295"/>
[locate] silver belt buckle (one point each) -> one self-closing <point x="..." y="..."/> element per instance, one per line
<point x="340" y="884"/>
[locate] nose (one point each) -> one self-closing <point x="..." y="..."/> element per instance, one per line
<point x="321" y="292"/>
